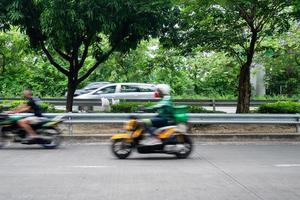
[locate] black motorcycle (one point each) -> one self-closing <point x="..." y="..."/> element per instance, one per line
<point x="47" y="130"/>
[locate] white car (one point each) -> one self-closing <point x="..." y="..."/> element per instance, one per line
<point x="89" y="88"/>
<point x="123" y="91"/>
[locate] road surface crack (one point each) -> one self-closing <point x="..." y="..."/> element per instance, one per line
<point x="235" y="180"/>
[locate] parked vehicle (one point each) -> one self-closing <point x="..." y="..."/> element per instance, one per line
<point x="174" y="138"/>
<point x="89" y="88"/>
<point x="123" y="91"/>
<point x="47" y="130"/>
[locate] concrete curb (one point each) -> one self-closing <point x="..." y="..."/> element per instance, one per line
<point x="200" y="137"/>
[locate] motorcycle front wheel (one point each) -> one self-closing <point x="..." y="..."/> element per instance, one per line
<point x="187" y="147"/>
<point x="54" y="137"/>
<point x="121" y="148"/>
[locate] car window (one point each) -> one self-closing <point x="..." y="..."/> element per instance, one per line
<point x="146" y="88"/>
<point x="91" y="89"/>
<point x="90" y="85"/>
<point x="94" y="87"/>
<point x="106" y="90"/>
<point x="129" y="88"/>
<point x="137" y="88"/>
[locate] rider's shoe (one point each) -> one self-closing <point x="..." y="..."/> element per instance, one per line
<point x="30" y="138"/>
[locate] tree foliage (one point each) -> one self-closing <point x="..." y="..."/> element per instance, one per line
<point x="213" y="74"/>
<point x="3" y="15"/>
<point x="71" y="30"/>
<point x="236" y="27"/>
<point x="21" y="68"/>
<point x="204" y="75"/>
<point x="215" y="44"/>
<point x="282" y="59"/>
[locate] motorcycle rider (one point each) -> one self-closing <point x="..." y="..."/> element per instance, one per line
<point x="164" y="108"/>
<point x="30" y="106"/>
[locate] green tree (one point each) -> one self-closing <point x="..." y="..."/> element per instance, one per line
<point x="22" y="68"/>
<point x="12" y="61"/>
<point x="3" y="14"/>
<point x="68" y="31"/>
<point x="171" y="67"/>
<point x="213" y="74"/>
<point x="282" y="59"/>
<point x="135" y="65"/>
<point x="236" y="27"/>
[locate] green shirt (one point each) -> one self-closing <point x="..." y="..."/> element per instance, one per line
<point x="164" y="108"/>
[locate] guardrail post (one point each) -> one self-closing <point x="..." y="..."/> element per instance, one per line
<point x="214" y="104"/>
<point x="70" y="125"/>
<point x="298" y="125"/>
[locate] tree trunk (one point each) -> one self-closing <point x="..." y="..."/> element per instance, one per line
<point x="70" y="95"/>
<point x="244" y="89"/>
<point x="196" y="88"/>
<point x="243" y="105"/>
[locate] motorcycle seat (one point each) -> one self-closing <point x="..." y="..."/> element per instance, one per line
<point x="159" y="130"/>
<point x="43" y="121"/>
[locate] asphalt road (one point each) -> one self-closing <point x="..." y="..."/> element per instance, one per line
<point x="90" y="172"/>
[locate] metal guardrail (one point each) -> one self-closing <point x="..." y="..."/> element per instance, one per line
<point x="119" y="118"/>
<point x="100" y="118"/>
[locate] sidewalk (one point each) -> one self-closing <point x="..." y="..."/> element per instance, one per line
<point x="291" y="137"/>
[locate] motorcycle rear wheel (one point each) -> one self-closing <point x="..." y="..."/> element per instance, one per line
<point x="2" y="141"/>
<point x="121" y="148"/>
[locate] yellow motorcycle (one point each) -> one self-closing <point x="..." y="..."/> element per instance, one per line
<point x="174" y="138"/>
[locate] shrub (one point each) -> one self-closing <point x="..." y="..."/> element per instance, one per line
<point x="283" y="107"/>
<point x="9" y="105"/>
<point x="198" y="109"/>
<point x="46" y="107"/>
<point x="129" y="107"/>
<point x="133" y="107"/>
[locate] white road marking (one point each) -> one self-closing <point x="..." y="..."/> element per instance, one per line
<point x="287" y="165"/>
<point x="91" y="166"/>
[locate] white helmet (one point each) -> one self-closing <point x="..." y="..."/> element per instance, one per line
<point x="164" y="89"/>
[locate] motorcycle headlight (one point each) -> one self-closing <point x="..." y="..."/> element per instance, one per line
<point x="130" y="125"/>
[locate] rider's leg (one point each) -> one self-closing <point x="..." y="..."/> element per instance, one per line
<point x="159" y="122"/>
<point x="25" y="124"/>
<point x="148" y="127"/>
<point x="156" y="122"/>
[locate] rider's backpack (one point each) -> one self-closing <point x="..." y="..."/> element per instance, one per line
<point x="180" y="114"/>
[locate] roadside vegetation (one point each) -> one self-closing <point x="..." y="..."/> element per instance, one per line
<point x="134" y="107"/>
<point x="284" y="107"/>
<point x="184" y="47"/>
<point x="9" y="105"/>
